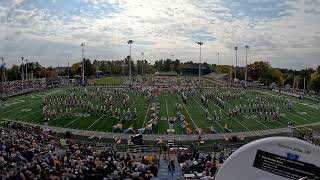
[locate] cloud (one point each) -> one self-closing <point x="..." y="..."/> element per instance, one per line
<point x="282" y="32"/>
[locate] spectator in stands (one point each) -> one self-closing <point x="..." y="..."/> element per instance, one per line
<point x="47" y="158"/>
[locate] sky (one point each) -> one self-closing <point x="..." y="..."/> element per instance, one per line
<point x="285" y="33"/>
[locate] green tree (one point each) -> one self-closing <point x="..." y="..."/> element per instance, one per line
<point x="88" y="68"/>
<point x="103" y="67"/>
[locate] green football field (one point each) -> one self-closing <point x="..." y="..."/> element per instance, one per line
<point x="110" y="80"/>
<point x="28" y="108"/>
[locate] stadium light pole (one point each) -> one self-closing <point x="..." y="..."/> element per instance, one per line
<point x="27" y="69"/>
<point x="2" y="68"/>
<point x="129" y="60"/>
<point x="200" y="44"/>
<point x="22" y="74"/>
<point x="68" y="70"/>
<point x="235" y="72"/>
<point x="218" y="58"/>
<point x="82" y="45"/>
<point x="246" y="75"/>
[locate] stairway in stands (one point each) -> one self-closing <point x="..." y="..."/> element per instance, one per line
<point x="170" y="140"/>
<point x="165" y="174"/>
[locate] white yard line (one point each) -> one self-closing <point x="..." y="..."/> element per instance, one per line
<point x="167" y="109"/>
<point x="300" y="117"/>
<point x="13" y="100"/>
<point x="19" y="107"/>
<point x="63" y="115"/>
<point x="95" y="122"/>
<point x="278" y="121"/>
<point x="306" y="125"/>
<point x="20" y="117"/>
<point x="291" y="120"/>
<point x="146" y="116"/>
<point x="188" y="113"/>
<point x="107" y="112"/>
<point x="258" y="121"/>
<point x="310" y="109"/>
<point x="74" y="120"/>
<point x="208" y="113"/>
<point x="167" y="112"/>
<point x="236" y="120"/>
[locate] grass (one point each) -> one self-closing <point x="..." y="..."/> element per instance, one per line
<point x="28" y="108"/>
<point x="110" y="80"/>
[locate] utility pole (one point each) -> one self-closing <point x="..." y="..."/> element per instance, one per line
<point x="129" y="60"/>
<point x="82" y="45"/>
<point x="235" y="73"/>
<point x="3" y="70"/>
<point x="246" y="75"/>
<point x="200" y="44"/>
<point x="22" y="74"/>
<point x="68" y="71"/>
<point x="27" y="69"/>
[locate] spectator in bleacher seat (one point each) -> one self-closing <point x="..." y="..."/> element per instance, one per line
<point x="28" y="152"/>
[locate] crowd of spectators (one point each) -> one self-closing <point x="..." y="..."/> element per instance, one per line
<point x="28" y="152"/>
<point x="202" y="166"/>
<point x="311" y="136"/>
<point x="11" y="88"/>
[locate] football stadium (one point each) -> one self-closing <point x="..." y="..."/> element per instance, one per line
<point x="151" y="90"/>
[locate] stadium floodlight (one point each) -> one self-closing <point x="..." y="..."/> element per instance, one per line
<point x="200" y="44"/>
<point x="235" y="72"/>
<point x="82" y="45"/>
<point x="22" y="75"/>
<point x="129" y="59"/>
<point x="27" y="69"/>
<point x="246" y="75"/>
<point x="68" y="70"/>
<point x="218" y="58"/>
<point x="3" y="70"/>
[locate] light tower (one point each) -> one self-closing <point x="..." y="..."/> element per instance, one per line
<point x="235" y="72"/>
<point x="129" y="59"/>
<point x="3" y="70"/>
<point x="27" y="69"/>
<point x="68" y="70"/>
<point x="246" y="75"/>
<point x="22" y="74"/>
<point x="200" y="44"/>
<point x="82" y="45"/>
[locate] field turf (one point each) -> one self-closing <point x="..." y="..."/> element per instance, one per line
<point x="28" y="108"/>
<point x="110" y="80"/>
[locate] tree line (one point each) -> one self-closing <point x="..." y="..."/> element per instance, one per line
<point x="258" y="71"/>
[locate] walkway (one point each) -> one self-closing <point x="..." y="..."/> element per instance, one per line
<point x="152" y="137"/>
<point x="165" y="174"/>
